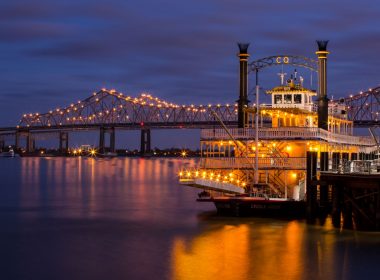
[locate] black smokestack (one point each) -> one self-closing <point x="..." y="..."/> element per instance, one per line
<point x="243" y="91"/>
<point x="322" y="85"/>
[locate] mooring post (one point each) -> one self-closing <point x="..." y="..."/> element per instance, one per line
<point x="311" y="188"/>
<point x="347" y="209"/>
<point x="337" y="198"/>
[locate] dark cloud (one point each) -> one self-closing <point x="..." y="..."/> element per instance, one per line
<point x="181" y="51"/>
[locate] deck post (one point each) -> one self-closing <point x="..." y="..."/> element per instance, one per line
<point x="335" y="161"/>
<point x="324" y="189"/>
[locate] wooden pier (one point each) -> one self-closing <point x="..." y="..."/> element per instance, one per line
<point x="352" y="198"/>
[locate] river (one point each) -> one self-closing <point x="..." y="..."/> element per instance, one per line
<point x="128" y="218"/>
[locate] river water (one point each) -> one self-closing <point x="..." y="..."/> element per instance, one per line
<point x="127" y="218"/>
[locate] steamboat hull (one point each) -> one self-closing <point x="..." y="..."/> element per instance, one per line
<point x="246" y="206"/>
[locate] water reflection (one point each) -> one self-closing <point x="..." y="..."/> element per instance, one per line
<point x="270" y="249"/>
<point x="129" y="219"/>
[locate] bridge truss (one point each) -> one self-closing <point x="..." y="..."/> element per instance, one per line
<point x="109" y="107"/>
<point x="364" y="107"/>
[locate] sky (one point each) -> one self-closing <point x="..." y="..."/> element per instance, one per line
<point x="53" y="53"/>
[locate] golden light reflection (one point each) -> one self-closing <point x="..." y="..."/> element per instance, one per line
<point x="221" y="254"/>
<point x="247" y="251"/>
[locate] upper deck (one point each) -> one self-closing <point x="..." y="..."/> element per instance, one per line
<point x="287" y="133"/>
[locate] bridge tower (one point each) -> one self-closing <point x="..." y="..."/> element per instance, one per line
<point x="322" y="85"/>
<point x="63" y="142"/>
<point x="102" y="139"/>
<point x="30" y="142"/>
<point x="243" y="83"/>
<point x="145" y="141"/>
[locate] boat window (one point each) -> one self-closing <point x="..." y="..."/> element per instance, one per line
<point x="278" y="99"/>
<point x="297" y="98"/>
<point x="287" y="98"/>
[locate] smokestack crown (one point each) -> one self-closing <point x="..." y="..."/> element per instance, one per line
<point x="322" y="45"/>
<point x="243" y="48"/>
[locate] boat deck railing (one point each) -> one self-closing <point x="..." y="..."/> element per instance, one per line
<point x="286" y="163"/>
<point x="357" y="167"/>
<point x="287" y="133"/>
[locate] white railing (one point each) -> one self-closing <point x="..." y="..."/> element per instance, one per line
<point x="292" y="163"/>
<point x="306" y="107"/>
<point x="212" y="185"/>
<point x="283" y="133"/>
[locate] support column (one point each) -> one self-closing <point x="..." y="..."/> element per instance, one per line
<point x="30" y="143"/>
<point x="243" y="92"/>
<point x="17" y="141"/>
<point x="145" y="141"/>
<point x="311" y="189"/>
<point x="63" y="142"/>
<point x="112" y="139"/>
<point x="148" y="149"/>
<point x="101" y="140"/>
<point x="322" y="85"/>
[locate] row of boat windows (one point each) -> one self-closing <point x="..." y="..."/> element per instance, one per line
<point x="290" y="99"/>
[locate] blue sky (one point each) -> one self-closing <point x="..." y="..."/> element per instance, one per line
<point x="55" y="52"/>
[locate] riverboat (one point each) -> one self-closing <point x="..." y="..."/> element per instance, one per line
<point x="260" y="169"/>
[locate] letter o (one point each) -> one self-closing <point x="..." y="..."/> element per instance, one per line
<point x="285" y="59"/>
